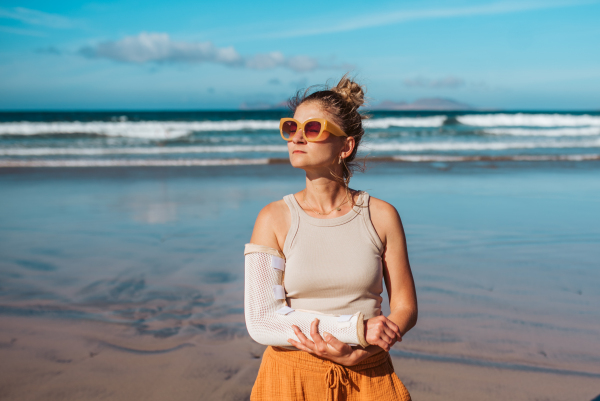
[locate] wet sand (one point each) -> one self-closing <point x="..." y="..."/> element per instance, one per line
<point x="53" y="359"/>
<point x="121" y="283"/>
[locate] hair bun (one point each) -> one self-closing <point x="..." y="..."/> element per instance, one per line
<point x="350" y="91"/>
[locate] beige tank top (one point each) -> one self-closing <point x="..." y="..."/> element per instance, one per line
<point x="333" y="265"/>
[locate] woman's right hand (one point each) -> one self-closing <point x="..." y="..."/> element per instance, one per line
<point x="328" y="347"/>
<point x="381" y="331"/>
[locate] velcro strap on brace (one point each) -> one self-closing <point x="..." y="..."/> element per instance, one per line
<point x="285" y="310"/>
<point x="277" y="263"/>
<point x="344" y="321"/>
<point x="344" y="318"/>
<point x="278" y="292"/>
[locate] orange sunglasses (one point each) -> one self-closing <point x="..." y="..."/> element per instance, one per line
<point x="312" y="129"/>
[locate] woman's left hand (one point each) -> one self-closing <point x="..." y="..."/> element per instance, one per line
<point x="329" y="348"/>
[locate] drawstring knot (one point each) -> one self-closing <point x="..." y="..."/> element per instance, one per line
<point x="336" y="377"/>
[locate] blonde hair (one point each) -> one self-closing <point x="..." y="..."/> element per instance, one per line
<point x="342" y="103"/>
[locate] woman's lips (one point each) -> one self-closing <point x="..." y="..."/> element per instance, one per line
<point x="298" y="151"/>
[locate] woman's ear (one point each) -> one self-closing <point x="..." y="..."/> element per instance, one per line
<point x="348" y="147"/>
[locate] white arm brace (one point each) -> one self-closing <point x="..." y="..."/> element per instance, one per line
<point x="268" y="317"/>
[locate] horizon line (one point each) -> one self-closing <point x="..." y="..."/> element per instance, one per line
<point x="167" y="109"/>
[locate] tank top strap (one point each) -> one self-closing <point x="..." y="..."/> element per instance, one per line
<point x="364" y="203"/>
<point x="295" y="223"/>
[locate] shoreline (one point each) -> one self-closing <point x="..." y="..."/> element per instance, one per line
<point x="78" y="163"/>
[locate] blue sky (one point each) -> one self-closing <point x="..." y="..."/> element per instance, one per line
<point x="218" y="55"/>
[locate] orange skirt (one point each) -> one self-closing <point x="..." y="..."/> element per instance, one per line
<point x="286" y="375"/>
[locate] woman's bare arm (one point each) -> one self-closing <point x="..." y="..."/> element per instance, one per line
<point x="396" y="267"/>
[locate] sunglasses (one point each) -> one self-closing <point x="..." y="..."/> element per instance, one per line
<point x="313" y="129"/>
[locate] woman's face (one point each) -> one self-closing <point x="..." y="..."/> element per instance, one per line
<point x="315" y="155"/>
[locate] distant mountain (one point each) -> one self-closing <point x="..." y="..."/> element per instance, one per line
<point x="263" y="106"/>
<point x="435" y="103"/>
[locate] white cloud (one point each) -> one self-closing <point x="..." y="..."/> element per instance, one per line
<point x="265" y="61"/>
<point x="447" y="82"/>
<point x="35" y="17"/>
<point x="302" y="63"/>
<point x="158" y="47"/>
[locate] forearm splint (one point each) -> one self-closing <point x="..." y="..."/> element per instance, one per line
<point x="268" y="317"/>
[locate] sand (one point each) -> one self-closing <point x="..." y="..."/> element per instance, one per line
<point x="57" y="359"/>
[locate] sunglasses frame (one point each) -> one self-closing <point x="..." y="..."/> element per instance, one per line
<point x="326" y="125"/>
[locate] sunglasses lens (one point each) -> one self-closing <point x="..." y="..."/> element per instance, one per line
<point x="312" y="129"/>
<point x="288" y="129"/>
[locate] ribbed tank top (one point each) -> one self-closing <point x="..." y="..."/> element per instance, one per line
<point x="333" y="265"/>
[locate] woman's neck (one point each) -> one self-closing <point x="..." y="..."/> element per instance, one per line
<point x="324" y="195"/>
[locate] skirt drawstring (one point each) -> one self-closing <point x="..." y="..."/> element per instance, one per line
<point x="336" y="378"/>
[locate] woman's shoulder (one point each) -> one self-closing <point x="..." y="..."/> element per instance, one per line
<point x="381" y="207"/>
<point x="274" y="210"/>
<point x="271" y="224"/>
<point x="385" y="218"/>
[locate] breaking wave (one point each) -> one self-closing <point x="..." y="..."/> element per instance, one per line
<point x="381" y="147"/>
<point x="157" y="130"/>
<point x="529" y="120"/>
<point x="382" y="123"/>
<point x="483" y="146"/>
<point x="166" y="130"/>
<point x="586" y="131"/>
<point x="138" y="151"/>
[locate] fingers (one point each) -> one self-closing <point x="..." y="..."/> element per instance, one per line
<point x="395" y="329"/>
<point x="320" y="344"/>
<point x="384" y="342"/>
<point x="337" y="344"/>
<point x="299" y="345"/>
<point x="382" y="332"/>
<point x="330" y="346"/>
<point x="306" y="344"/>
<point x="391" y="334"/>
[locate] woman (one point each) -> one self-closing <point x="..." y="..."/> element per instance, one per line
<point x="338" y="244"/>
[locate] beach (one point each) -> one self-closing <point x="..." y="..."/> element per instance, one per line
<point x="127" y="282"/>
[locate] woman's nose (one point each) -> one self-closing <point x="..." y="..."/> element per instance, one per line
<point x="298" y="136"/>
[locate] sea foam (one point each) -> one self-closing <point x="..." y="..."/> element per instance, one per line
<point x="387" y="122"/>
<point x="72" y="151"/>
<point x="483" y="146"/>
<point x="556" y="132"/>
<point x="440" y="146"/>
<point x="529" y="120"/>
<point x="157" y="130"/>
<point x="165" y="130"/>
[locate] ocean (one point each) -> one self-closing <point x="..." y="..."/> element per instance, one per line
<point x="251" y="137"/>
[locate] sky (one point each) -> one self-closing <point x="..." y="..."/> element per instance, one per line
<point x="194" y="55"/>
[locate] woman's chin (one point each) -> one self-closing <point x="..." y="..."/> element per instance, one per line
<point x="298" y="159"/>
<point x="298" y="164"/>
